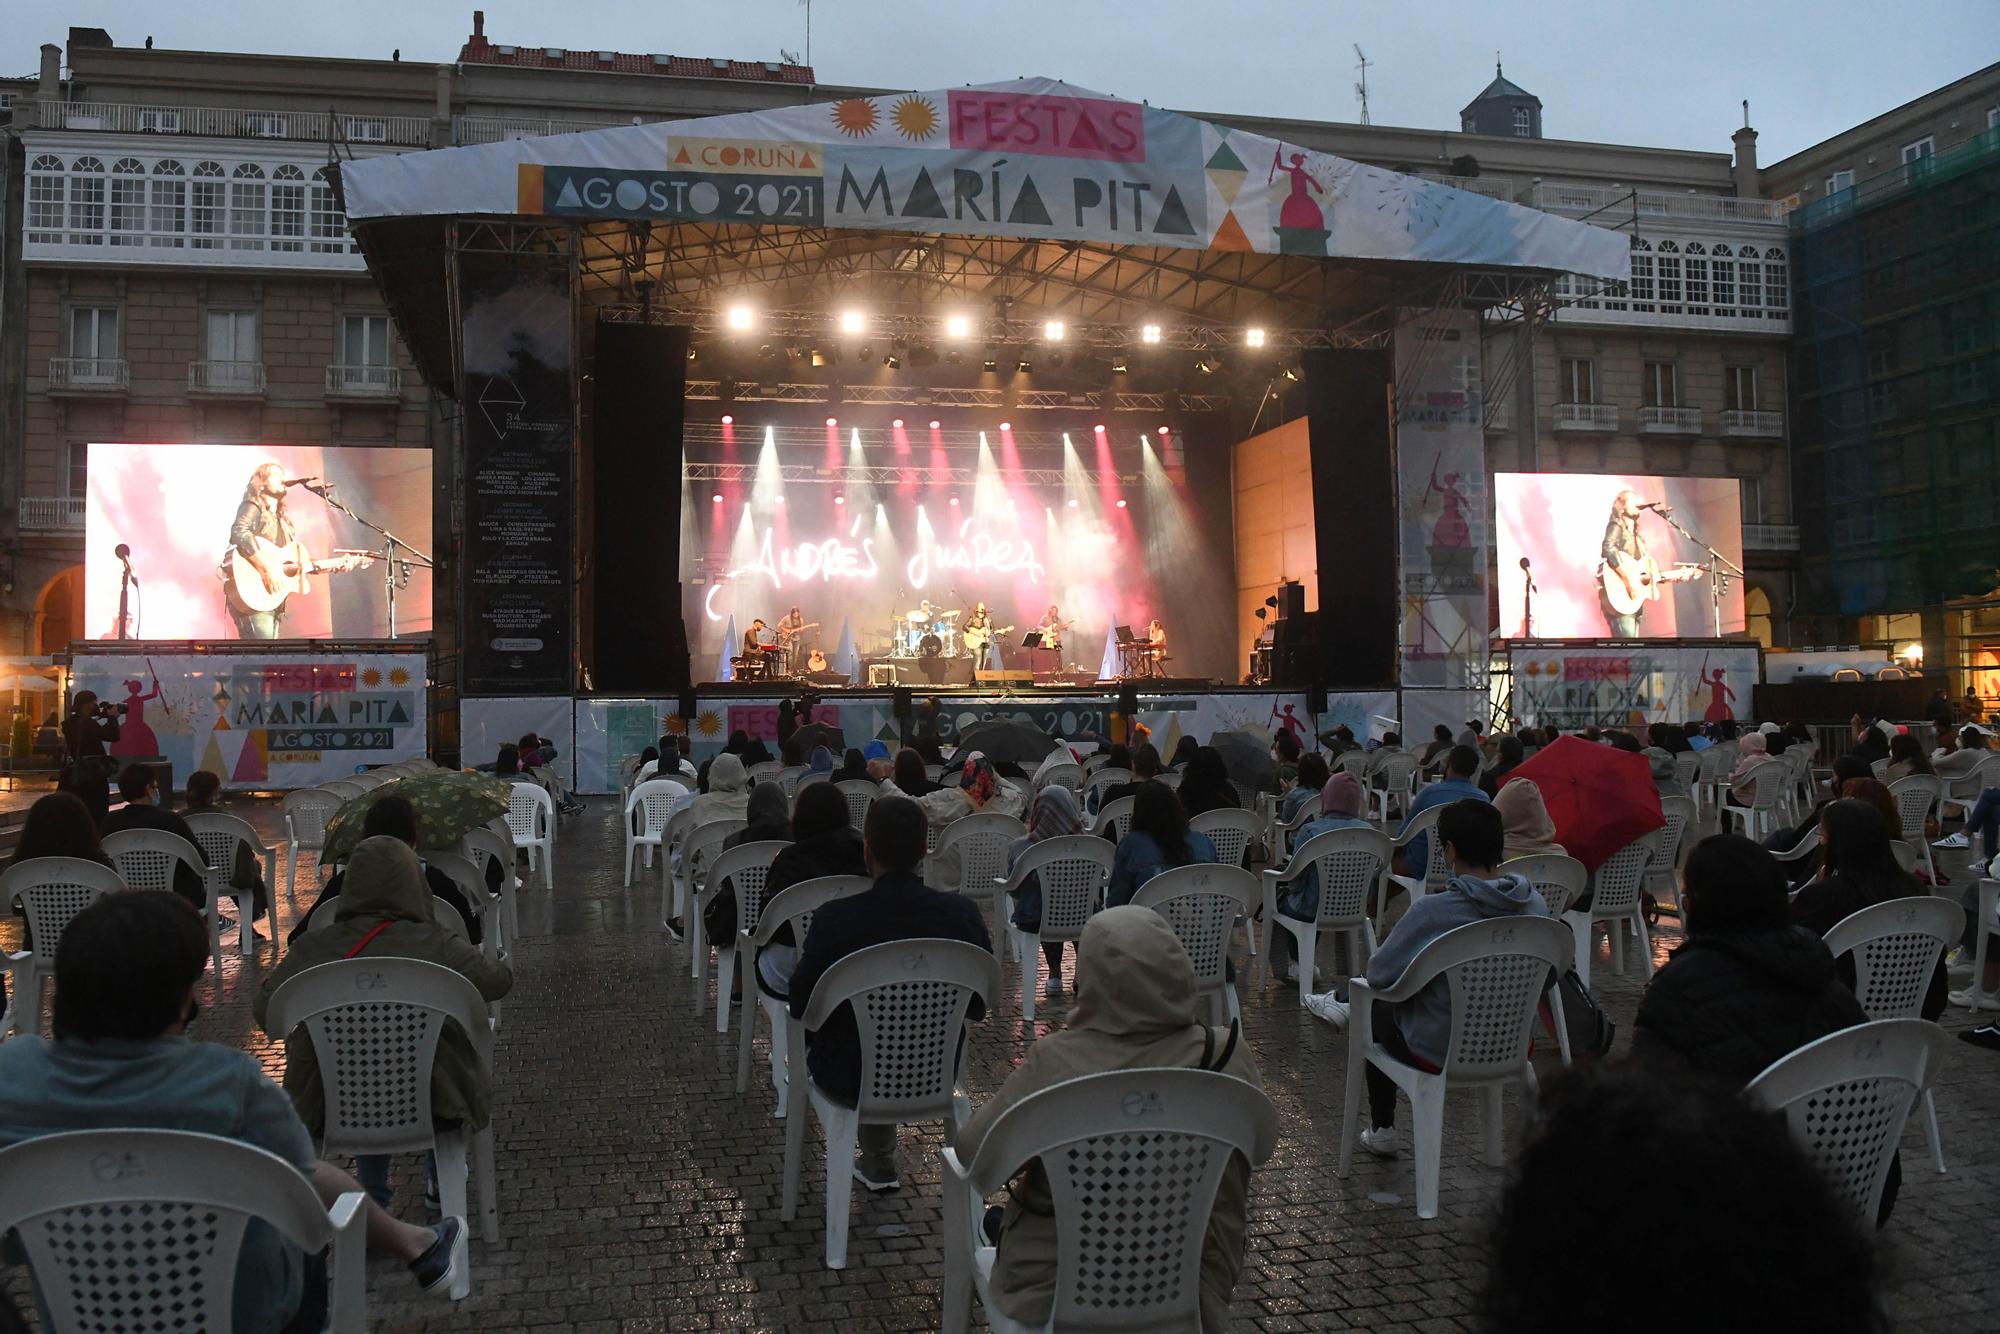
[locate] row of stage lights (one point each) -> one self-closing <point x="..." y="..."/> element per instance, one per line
<point x="729" y="419"/>
<point x="742" y="318"/>
<point x="842" y="500"/>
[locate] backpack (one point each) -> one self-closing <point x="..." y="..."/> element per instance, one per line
<point x="1590" y="1030"/>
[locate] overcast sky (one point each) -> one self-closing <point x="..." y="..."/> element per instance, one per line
<point x="1668" y="73"/>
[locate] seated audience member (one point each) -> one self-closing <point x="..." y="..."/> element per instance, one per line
<point x="769" y="820"/>
<point x="649" y="765"/>
<point x="1876" y="794"/>
<point x="1765" y="1244"/>
<point x="1525" y="823"/>
<point x="58" y="825"/>
<point x="203" y="787"/>
<point x="1158" y="840"/>
<point x="824" y="842"/>
<point x="876" y="761"/>
<point x="1135" y="1009"/>
<point x="1958" y="754"/>
<point x="1052" y="814"/>
<point x="1205" y="784"/>
<point x="384" y="912"/>
<point x="911" y="777"/>
<point x="1907" y="759"/>
<point x="1846" y="769"/>
<point x="1512" y="755"/>
<point x="1144" y="762"/>
<point x="1748" y="986"/>
<point x="1461" y="764"/>
<point x="727" y="797"/>
<point x="1666" y="776"/>
<point x="1285" y="748"/>
<point x="1340" y="802"/>
<point x="1390" y="746"/>
<point x="142" y="810"/>
<point x="1436" y="748"/>
<point x="126" y="979"/>
<point x="676" y="755"/>
<point x="1697" y="735"/>
<point x="507" y="765"/>
<point x="1624" y="741"/>
<point x="1871" y="739"/>
<point x="977" y="789"/>
<point x="394" y="817"/>
<point x="537" y="759"/>
<point x="1751" y="756"/>
<point x="1184" y="750"/>
<point x="1858" y="870"/>
<point x="1309" y="783"/>
<point x="820" y="761"/>
<point x="899" y="906"/>
<point x="737" y="744"/>
<point x="1419" y="1029"/>
<point x="1474" y="734"/>
<point x="852" y="765"/>
<point x="1338" y="742"/>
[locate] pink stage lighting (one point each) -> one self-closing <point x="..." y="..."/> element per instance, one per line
<point x="835" y="421"/>
<point x="1099" y="428"/>
<point x="935" y="424"/>
<point x="1164" y="430"/>
<point x="1006" y="426"/>
<point x="898" y="423"/>
<point x="728" y="420"/>
<point x="1121" y="504"/>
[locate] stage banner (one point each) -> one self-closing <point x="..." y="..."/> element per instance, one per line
<point x="1441" y="498"/>
<point x="1576" y="685"/>
<point x="518" y="421"/>
<point x="278" y="720"/>
<point x="484" y="725"/>
<point x="1034" y="159"/>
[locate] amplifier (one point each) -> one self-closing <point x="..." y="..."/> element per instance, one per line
<point x="1012" y="678"/>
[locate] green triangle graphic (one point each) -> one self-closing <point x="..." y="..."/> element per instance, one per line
<point x="1225" y="159"/>
<point x="923" y="201"/>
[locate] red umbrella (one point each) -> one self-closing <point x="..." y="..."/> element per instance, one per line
<point x="1600" y="797"/>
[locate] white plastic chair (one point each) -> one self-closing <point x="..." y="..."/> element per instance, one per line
<point x="1349" y="864"/>
<point x="1767" y="790"/>
<point x="1497" y="971"/>
<point x="793" y="906"/>
<point x="1915" y="797"/>
<point x="1437" y="868"/>
<point x="1071" y="870"/>
<point x="347" y="789"/>
<point x="464" y="873"/>
<point x="1353" y="762"/>
<point x="743" y="868"/>
<point x="1559" y="879"/>
<point x="671" y="885"/>
<point x="1807" y="845"/>
<point x="981" y="841"/>
<point x="147" y="858"/>
<point x="1278" y="838"/>
<point x="52" y="891"/>
<point x="306" y="813"/>
<point x="1069" y="775"/>
<point x="1399" y="786"/>
<point x="1114" y="818"/>
<point x="1988" y="920"/>
<point x="1127" y="1154"/>
<point x="142" y="1230"/>
<point x="1663" y="869"/>
<point x="1847" y="1097"/>
<point x="1203" y="903"/>
<point x="1170" y="778"/>
<point x="1905" y="853"/>
<point x="1712" y="777"/>
<point x="374" y="1025"/>
<point x="1963" y="791"/>
<point x="1896" y="947"/>
<point x="1687" y="765"/>
<point x="217" y="835"/>
<point x="1099" y="779"/>
<point x="808" y="777"/>
<point x="531" y="820"/>
<point x="909" y="999"/>
<point x="1233" y="832"/>
<point x="860" y="794"/>
<point x="481" y="846"/>
<point x="1615" y="899"/>
<point x="788" y="777"/>
<point x="647" y="810"/>
<point x="764" y="771"/>
<point x="699" y="847"/>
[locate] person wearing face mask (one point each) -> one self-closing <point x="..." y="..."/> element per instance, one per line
<point x="142" y="810"/>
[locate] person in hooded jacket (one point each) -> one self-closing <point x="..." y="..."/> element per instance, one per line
<point x="1528" y="828"/>
<point x="824" y="842"/>
<point x="973" y="788"/>
<point x="1053" y="814"/>
<point x="1418" y="1030"/>
<point x="384" y="911"/>
<point x="1135" y="1009"/>
<point x="769" y="820"/>
<point x="1340" y="801"/>
<point x="727" y="797"/>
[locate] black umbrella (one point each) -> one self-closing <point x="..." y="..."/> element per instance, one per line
<point x="819" y="734"/>
<point x="1005" y="740"/>
<point x="1247" y="757"/>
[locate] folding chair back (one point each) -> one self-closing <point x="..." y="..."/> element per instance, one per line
<point x="1201" y="903"/>
<point x="1896" y="947"/>
<point x="1560" y="880"/>
<point x="1232" y="832"/>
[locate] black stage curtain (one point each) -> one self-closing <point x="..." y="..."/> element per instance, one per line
<point x="639" y="643"/>
<point x="1348" y="411"/>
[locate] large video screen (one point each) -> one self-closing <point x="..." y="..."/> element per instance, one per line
<point x="190" y="518"/>
<point x="1617" y="556"/>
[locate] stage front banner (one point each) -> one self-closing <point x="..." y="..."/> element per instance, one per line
<point x="1624" y="685"/>
<point x="279" y="720"/>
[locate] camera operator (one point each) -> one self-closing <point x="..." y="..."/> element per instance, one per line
<point x="91" y="727"/>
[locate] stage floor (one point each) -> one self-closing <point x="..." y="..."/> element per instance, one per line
<point x="1147" y="685"/>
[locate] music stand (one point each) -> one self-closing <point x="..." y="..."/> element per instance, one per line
<point x="1033" y="639"/>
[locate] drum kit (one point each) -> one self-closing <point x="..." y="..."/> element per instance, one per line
<point x="926" y="634"/>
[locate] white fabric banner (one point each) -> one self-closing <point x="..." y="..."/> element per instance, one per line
<point x="1628" y="685"/>
<point x="1032" y="158"/>
<point x="1441" y="498"/>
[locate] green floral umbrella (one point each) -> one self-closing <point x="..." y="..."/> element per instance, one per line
<point x="449" y="803"/>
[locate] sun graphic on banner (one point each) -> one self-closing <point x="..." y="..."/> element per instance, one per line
<point x="709" y="723"/>
<point x="371" y="677"/>
<point x="855" y="117"/>
<point x="915" y="118"/>
<point x="398" y="676"/>
<point x="676" y="725"/>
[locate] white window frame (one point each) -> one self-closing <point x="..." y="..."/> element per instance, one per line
<point x="1840" y="180"/>
<point x="97" y="317"/>
<point x="208" y="206"/>
<point x="76" y="460"/>
<point x="1524" y="123"/>
<point x="159" y="120"/>
<point x="86" y="201"/>
<point x="1735" y="380"/>
<point x="249" y="207"/>
<point x="1660" y="384"/>
<point x="1578" y="376"/>
<point x="367" y="321"/>
<point x="239" y="321"/>
<point x="167" y="205"/>
<point x="1919" y="149"/>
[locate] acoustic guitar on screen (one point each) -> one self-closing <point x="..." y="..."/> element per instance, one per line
<point x="286" y="570"/>
<point x="1630" y="583"/>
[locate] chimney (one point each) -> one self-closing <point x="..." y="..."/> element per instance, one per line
<point x="478" y="24"/>
<point x="49" y="88"/>
<point x="1745" y="140"/>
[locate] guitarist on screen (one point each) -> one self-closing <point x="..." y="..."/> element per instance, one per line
<point x="265" y="564"/>
<point x="1627" y="575"/>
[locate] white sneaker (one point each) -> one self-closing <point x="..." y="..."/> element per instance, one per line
<point x="1329" y="1007"/>
<point x="1379" y="1140"/>
<point x="1967" y="1000"/>
<point x="1053" y="988"/>
<point x="1958" y="964"/>
<point x="1958" y="840"/>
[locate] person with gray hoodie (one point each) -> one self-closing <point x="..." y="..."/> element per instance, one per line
<point x="1419" y="1030"/>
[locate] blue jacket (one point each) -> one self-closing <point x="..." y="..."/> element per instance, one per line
<point x="1425" y="1021"/>
<point x="1139" y="859"/>
<point x="1443" y="793"/>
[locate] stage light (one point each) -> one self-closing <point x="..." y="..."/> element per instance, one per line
<point x="690" y="351"/>
<point x="1121" y="504"/>
<point x="893" y="362"/>
<point x="840" y="500"/>
<point x="853" y="322"/>
<point x="1120" y="365"/>
<point x="1006" y="426"/>
<point x="898" y="423"/>
<point x="1053" y="331"/>
<point x="1271" y="602"/>
<point x="1204" y="366"/>
<point x="833" y="421"/>
<point x="935" y="423"/>
<point x="1261" y="613"/>
<point x="826" y="356"/>
<point x="1253" y="337"/>
<point x="779" y="501"/>
<point x="740" y="318"/>
<point x="717" y="497"/>
<point x="957" y="326"/>
<point x="728" y="420"/>
<point x="954" y="500"/>
<point x="1024" y="366"/>
<point x="1099" y="428"/>
<point x="992" y="362"/>
<point x="1149" y="333"/>
<point x="1166" y="430"/>
<point x="1072" y="504"/>
<point x="1292" y="374"/>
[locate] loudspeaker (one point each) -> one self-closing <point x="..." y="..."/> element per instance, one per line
<point x="688" y="706"/>
<point x="1128" y="699"/>
<point x="638" y="640"/>
<point x="1351" y="445"/>
<point x="1316" y="699"/>
<point x="901" y="703"/>
<point x="1291" y="599"/>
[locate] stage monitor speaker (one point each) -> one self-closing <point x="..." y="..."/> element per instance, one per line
<point x="1316" y="699"/>
<point x="638" y="640"/>
<point x="1128" y="699"/>
<point x="689" y="706"/>
<point x="1004" y="678"/>
<point x="1351" y="446"/>
<point x="1291" y="599"/>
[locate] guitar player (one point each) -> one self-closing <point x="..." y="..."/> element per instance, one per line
<point x="263" y="542"/>
<point x="1624" y="556"/>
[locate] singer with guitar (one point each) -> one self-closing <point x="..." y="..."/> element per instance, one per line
<point x="266" y="563"/>
<point x="979" y="632"/>
<point x="1627" y="575"/>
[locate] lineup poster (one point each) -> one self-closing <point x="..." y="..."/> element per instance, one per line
<point x="519" y="427"/>
<point x="1571" y="686"/>
<point x="263" y="721"/>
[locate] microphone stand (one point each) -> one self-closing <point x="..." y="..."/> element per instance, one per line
<point x="124" y="595"/>
<point x="1528" y="604"/>
<point x="393" y="564"/>
<point x="1718" y="581"/>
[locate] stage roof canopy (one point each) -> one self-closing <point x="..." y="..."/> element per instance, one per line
<point x="1031" y="192"/>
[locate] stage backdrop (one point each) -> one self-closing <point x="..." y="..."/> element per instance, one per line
<point x="173" y="505"/>
<point x="294" y="718"/>
<point x="1559" y="522"/>
<point x="1571" y="686"/>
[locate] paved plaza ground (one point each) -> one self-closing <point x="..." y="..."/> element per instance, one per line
<point x="640" y="1192"/>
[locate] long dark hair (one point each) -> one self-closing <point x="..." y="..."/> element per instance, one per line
<point x="1731" y="883"/>
<point x="1854" y="841"/>
<point x="1906" y="749"/>
<point x="1157" y="813"/>
<point x="58" y="825"/>
<point x="253" y="490"/>
<point x="1206" y="773"/>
